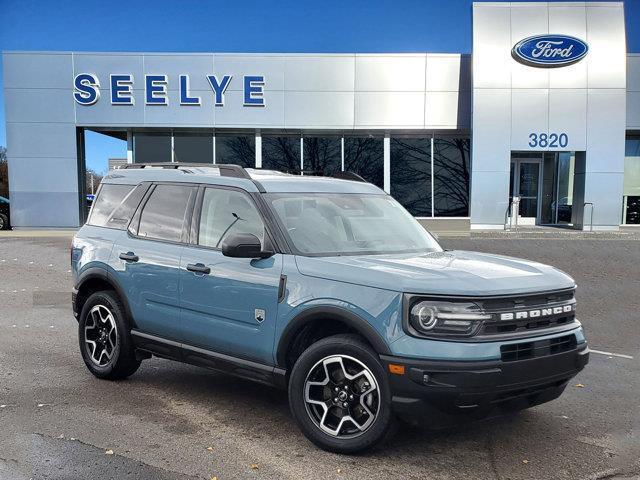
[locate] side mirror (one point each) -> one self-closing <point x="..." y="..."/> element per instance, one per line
<point x="243" y="245"/>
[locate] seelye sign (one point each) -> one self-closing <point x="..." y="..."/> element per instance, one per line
<point x="86" y="89"/>
<point x="548" y="51"/>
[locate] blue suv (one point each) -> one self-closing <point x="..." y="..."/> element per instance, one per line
<point x="324" y="286"/>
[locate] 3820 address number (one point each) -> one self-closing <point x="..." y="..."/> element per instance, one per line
<point x="551" y="140"/>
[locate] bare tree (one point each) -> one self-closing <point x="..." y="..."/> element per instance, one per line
<point x="365" y="156"/>
<point x="239" y="150"/>
<point x="322" y="155"/>
<point x="4" y="173"/>
<point x="452" y="176"/>
<point x="281" y="153"/>
<point x="92" y="180"/>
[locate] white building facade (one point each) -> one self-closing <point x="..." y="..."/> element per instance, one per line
<point x="538" y="126"/>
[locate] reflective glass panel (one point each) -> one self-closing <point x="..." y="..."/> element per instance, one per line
<point x="227" y="212"/>
<point x="322" y="155"/>
<point x="631" y="185"/>
<point x="411" y="174"/>
<point x="236" y="149"/>
<point x="108" y="199"/>
<point x="193" y="147"/>
<point x="365" y="156"/>
<point x="163" y="215"/>
<point x="151" y="147"/>
<point x="452" y="176"/>
<point x="281" y="153"/>
<point x="338" y="224"/>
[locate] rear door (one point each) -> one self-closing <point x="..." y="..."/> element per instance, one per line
<point x="147" y="258"/>
<point x="229" y="305"/>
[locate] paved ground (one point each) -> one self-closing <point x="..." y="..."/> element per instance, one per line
<point x="58" y="422"/>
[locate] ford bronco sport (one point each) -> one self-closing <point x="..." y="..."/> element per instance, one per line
<point x="324" y="286"/>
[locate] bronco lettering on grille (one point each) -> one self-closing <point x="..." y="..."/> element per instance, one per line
<point x="541" y="312"/>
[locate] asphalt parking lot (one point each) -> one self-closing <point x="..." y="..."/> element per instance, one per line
<point x="174" y="421"/>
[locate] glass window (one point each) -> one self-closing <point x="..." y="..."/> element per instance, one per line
<point x="452" y="176"/>
<point x="411" y="174"/>
<point x="122" y="215"/>
<point x="322" y="155"/>
<point x="631" y="183"/>
<point x="227" y="212"/>
<point x="164" y="213"/>
<point x="339" y="224"/>
<point x="281" y="153"/>
<point x="365" y="156"/>
<point x="632" y="210"/>
<point x="236" y="149"/>
<point x="151" y="147"/>
<point x="193" y="147"/>
<point x="108" y="199"/>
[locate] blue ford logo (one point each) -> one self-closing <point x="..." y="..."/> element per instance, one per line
<point x="549" y="50"/>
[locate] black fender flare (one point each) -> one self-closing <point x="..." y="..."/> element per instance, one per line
<point x="97" y="273"/>
<point x="329" y="313"/>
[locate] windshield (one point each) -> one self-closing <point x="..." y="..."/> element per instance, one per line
<point x="349" y="224"/>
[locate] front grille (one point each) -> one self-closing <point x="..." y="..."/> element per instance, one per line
<point x="516" y="326"/>
<point x="527" y="313"/>
<point x="538" y="348"/>
<point x="527" y="301"/>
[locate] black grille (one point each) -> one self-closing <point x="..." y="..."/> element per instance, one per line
<point x="527" y="301"/>
<point x="525" y="325"/>
<point x="526" y="304"/>
<point x="538" y="348"/>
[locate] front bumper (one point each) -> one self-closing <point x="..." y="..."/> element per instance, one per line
<point x="447" y="390"/>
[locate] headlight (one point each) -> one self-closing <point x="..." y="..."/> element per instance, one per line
<point x="433" y="317"/>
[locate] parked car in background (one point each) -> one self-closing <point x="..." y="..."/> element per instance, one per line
<point x="5" y="220"/>
<point x="326" y="287"/>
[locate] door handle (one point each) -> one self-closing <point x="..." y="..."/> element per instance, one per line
<point x="129" y="257"/>
<point x="198" y="268"/>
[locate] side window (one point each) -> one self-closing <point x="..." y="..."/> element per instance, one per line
<point x="108" y="199"/>
<point x="163" y="215"/>
<point x="121" y="216"/>
<point x="227" y="212"/>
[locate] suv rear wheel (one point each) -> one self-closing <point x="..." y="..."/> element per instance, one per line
<point x="105" y="341"/>
<point x="4" y="222"/>
<point x="339" y="395"/>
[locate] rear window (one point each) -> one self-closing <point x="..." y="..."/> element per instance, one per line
<point x="121" y="216"/>
<point x="109" y="198"/>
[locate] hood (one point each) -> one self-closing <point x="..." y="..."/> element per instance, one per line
<point x="439" y="273"/>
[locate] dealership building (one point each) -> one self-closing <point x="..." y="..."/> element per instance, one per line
<point x="540" y="125"/>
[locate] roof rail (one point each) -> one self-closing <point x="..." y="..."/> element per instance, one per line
<point x="348" y="176"/>
<point x="226" y="170"/>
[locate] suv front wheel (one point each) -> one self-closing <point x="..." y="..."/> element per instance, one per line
<point x="105" y="341"/>
<point x="339" y="395"/>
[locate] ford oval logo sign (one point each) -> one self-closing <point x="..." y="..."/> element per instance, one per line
<point x="549" y="50"/>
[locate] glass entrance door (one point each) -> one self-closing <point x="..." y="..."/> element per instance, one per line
<point x="557" y="189"/>
<point x="525" y="188"/>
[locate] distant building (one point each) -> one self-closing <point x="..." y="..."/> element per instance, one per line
<point x="116" y="162"/>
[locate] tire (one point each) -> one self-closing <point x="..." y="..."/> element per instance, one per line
<point x="370" y="417"/>
<point x="111" y="355"/>
<point x="4" y="222"/>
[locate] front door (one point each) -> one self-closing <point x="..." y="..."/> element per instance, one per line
<point x="228" y="305"/>
<point x="525" y="188"/>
